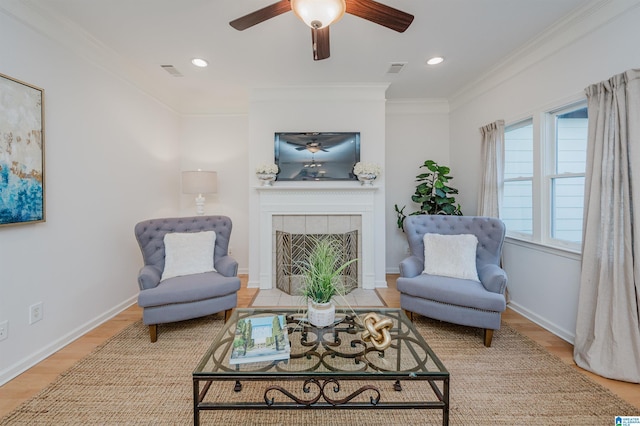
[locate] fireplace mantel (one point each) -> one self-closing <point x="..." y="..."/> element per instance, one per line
<point x="324" y="186"/>
<point x="322" y="199"/>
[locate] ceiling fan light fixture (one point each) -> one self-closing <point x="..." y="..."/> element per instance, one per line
<point x="199" y="62"/>
<point x="435" y="60"/>
<point x="319" y="13"/>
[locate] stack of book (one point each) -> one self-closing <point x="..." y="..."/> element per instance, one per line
<point x="260" y="338"/>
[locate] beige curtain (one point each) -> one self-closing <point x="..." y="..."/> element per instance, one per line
<point x="492" y="182"/>
<point x="608" y="328"/>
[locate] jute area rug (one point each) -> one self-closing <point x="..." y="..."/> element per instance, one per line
<point x="129" y="380"/>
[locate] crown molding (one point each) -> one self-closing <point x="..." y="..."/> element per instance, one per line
<point x="417" y="106"/>
<point x="583" y="21"/>
<point x="321" y="92"/>
<point x="44" y="20"/>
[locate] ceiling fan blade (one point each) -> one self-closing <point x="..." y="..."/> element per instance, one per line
<point x="381" y="14"/>
<point x="320" y="43"/>
<point x="261" y="15"/>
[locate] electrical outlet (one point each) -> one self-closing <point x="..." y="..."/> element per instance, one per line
<point x="4" y="329"/>
<point x="35" y="313"/>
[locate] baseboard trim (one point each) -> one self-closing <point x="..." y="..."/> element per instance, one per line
<point x="542" y="322"/>
<point x="16" y="369"/>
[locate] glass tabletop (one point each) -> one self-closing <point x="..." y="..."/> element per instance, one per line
<point x="336" y="351"/>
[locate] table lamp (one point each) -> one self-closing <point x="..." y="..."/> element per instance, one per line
<point x="199" y="182"/>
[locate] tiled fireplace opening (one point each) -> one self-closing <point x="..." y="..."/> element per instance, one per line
<point x="292" y="251"/>
<point x="292" y="239"/>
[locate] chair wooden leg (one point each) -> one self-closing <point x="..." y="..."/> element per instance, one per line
<point x="153" y="332"/>
<point x="488" y="336"/>
<point x="408" y="314"/>
<point x="227" y="314"/>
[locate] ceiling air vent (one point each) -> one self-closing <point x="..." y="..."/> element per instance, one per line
<point x="172" y="70"/>
<point x="396" y="67"/>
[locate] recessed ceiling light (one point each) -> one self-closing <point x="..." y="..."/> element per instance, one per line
<point x="198" y="62"/>
<point x="435" y="60"/>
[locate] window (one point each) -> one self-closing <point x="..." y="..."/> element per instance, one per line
<point x="517" y="202"/>
<point x="545" y="159"/>
<point x="568" y="129"/>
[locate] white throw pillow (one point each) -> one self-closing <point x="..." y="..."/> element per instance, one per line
<point x="188" y="253"/>
<point x="451" y="255"/>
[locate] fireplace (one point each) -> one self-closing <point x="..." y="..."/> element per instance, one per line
<point x="313" y="210"/>
<point x="292" y="251"/>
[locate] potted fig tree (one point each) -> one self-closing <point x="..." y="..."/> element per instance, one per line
<point x="433" y="193"/>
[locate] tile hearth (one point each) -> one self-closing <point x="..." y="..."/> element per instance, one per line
<point x="275" y="297"/>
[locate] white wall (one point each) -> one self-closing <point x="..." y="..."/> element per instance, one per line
<point x="358" y="108"/>
<point x="111" y="160"/>
<point x="416" y="131"/>
<point x="114" y="156"/>
<point x="543" y="284"/>
<point x="220" y="143"/>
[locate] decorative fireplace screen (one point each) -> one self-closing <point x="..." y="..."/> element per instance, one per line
<point x="292" y="250"/>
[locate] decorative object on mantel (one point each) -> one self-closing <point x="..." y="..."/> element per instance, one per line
<point x="432" y="193"/>
<point x="266" y="173"/>
<point x="199" y="182"/>
<point x="377" y="331"/>
<point x="367" y="172"/>
<point x="322" y="280"/>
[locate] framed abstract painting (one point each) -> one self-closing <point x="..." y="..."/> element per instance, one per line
<point x="22" y="195"/>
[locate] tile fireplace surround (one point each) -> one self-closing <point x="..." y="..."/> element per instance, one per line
<point x="316" y="201"/>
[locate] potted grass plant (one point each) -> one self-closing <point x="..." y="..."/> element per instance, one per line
<point x="322" y="280"/>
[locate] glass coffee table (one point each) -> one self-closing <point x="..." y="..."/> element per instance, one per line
<point x="328" y="368"/>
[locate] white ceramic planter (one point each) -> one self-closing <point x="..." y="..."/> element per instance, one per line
<point x="367" y="178"/>
<point x="266" y="179"/>
<point x="321" y="314"/>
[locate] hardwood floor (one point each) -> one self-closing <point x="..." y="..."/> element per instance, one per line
<point x="38" y="377"/>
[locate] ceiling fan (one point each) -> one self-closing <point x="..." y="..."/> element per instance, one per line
<point x="312" y="146"/>
<point x="319" y="14"/>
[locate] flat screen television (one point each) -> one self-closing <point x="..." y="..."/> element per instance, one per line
<point x="317" y="156"/>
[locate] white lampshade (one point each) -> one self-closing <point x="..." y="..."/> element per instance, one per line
<point x="199" y="182"/>
<point x="319" y="13"/>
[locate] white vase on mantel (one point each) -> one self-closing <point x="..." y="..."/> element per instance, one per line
<point x="367" y="178"/>
<point x="266" y="179"/>
<point x="321" y="314"/>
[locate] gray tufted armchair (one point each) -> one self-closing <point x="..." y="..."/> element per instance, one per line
<point x="455" y="300"/>
<point x="188" y="296"/>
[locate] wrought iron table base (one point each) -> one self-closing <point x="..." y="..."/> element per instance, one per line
<point x="321" y="398"/>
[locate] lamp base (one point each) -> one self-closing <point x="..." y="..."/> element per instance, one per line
<point x="200" y="205"/>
